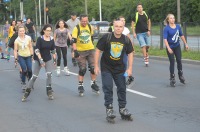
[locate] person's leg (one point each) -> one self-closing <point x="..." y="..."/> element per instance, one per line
<point x="171" y="68"/>
<point x="107" y="86"/>
<point x="120" y="82"/>
<point x="147" y="41"/>
<point x="177" y="52"/>
<point x="141" y="39"/>
<point x="31" y="82"/>
<point x="90" y="59"/>
<point x="29" y="67"/>
<point x="22" y="63"/>
<point x="64" y="54"/>
<point x="58" y="52"/>
<point x="48" y="68"/>
<point x="82" y="70"/>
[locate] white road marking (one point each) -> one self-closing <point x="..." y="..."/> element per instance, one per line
<point x="140" y="93"/>
<point x="129" y="90"/>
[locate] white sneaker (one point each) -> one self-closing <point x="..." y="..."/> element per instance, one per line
<point x="66" y="70"/>
<point x="58" y="70"/>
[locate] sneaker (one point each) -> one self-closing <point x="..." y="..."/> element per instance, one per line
<point x="66" y="71"/>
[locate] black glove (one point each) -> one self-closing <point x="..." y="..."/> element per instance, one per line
<point x="76" y="54"/>
<point x="41" y="61"/>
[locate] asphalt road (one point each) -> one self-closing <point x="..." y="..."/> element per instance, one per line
<point x="156" y="107"/>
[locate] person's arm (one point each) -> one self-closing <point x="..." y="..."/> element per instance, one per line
<point x="149" y="27"/>
<point x="31" y="47"/>
<point x="133" y="29"/>
<point x="184" y="41"/>
<point x="15" y="53"/>
<point x="96" y="61"/>
<point x="54" y="36"/>
<point x="69" y="35"/>
<point x="130" y="64"/>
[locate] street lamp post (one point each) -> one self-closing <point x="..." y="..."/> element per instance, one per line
<point x="21" y="10"/>
<point x="45" y="15"/>
<point x="36" y="18"/>
<point x="100" y="15"/>
<point x="86" y="12"/>
<point x="40" y="12"/>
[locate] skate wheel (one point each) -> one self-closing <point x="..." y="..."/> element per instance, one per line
<point x="23" y="99"/>
<point x="51" y="97"/>
<point x="98" y="92"/>
<point x="110" y="120"/>
<point x="81" y="94"/>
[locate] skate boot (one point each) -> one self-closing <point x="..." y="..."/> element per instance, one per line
<point x="95" y="87"/>
<point x="49" y="92"/>
<point x="58" y="71"/>
<point x="181" y="78"/>
<point x="81" y="89"/>
<point x="130" y="80"/>
<point x="125" y="114"/>
<point x="23" y="86"/>
<point x="110" y="114"/>
<point x="26" y="94"/>
<point x="74" y="62"/>
<point x="8" y="57"/>
<point x="66" y="70"/>
<point x="172" y="80"/>
<point x="146" y="61"/>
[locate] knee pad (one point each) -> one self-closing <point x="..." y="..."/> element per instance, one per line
<point x="49" y="74"/>
<point x="82" y="71"/>
<point x="91" y="69"/>
<point x="34" y="77"/>
<point x="24" y="73"/>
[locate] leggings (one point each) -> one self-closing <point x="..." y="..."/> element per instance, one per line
<point x="64" y="54"/>
<point x="36" y="70"/>
<point x="177" y="54"/>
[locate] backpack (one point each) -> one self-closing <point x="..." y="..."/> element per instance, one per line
<point x="78" y="28"/>
<point x="136" y="17"/>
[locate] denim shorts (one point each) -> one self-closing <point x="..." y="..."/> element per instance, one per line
<point x="144" y="39"/>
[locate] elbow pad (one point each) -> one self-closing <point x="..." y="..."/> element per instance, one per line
<point x="37" y="51"/>
<point x="74" y="40"/>
<point x="53" y="51"/>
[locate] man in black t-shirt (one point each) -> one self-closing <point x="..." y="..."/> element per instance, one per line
<point x="31" y="29"/>
<point x="114" y="68"/>
<point x="141" y="26"/>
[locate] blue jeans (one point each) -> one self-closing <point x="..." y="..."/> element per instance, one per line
<point x="144" y="39"/>
<point x="107" y="85"/>
<point x="26" y="66"/>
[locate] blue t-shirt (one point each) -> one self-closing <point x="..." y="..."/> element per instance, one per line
<point x="172" y="35"/>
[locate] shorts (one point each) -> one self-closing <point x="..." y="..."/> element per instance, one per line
<point x="86" y="56"/>
<point x="5" y="35"/>
<point x="144" y="39"/>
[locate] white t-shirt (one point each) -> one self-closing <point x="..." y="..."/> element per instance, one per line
<point x="126" y="31"/>
<point x="71" y="24"/>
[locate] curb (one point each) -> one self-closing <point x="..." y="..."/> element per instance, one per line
<point x="187" y="61"/>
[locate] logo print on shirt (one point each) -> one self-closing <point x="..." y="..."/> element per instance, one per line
<point x="176" y="36"/>
<point x="116" y="50"/>
<point x="84" y="36"/>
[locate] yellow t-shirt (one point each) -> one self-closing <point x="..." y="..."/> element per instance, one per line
<point x="23" y="46"/>
<point x="10" y="31"/>
<point x="84" y="41"/>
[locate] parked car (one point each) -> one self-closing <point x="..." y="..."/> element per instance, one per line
<point x="99" y="28"/>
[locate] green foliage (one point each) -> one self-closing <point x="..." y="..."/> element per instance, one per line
<point x="157" y="9"/>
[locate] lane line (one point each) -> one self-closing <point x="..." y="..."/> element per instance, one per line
<point x="140" y="93"/>
<point x="129" y="90"/>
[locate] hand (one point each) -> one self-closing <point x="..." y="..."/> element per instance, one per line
<point x="16" y="62"/>
<point x="186" y="47"/>
<point x="134" y="35"/>
<point x="76" y="54"/>
<point x="148" y="33"/>
<point x="129" y="72"/>
<point x="96" y="70"/>
<point x="54" y="61"/>
<point x="170" y="50"/>
<point x="42" y="62"/>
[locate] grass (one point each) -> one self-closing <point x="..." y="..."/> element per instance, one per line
<point x="154" y="51"/>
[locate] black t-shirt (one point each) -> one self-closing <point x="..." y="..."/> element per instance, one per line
<point x="141" y="26"/>
<point x="45" y="47"/>
<point x="113" y="53"/>
<point x="30" y="27"/>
